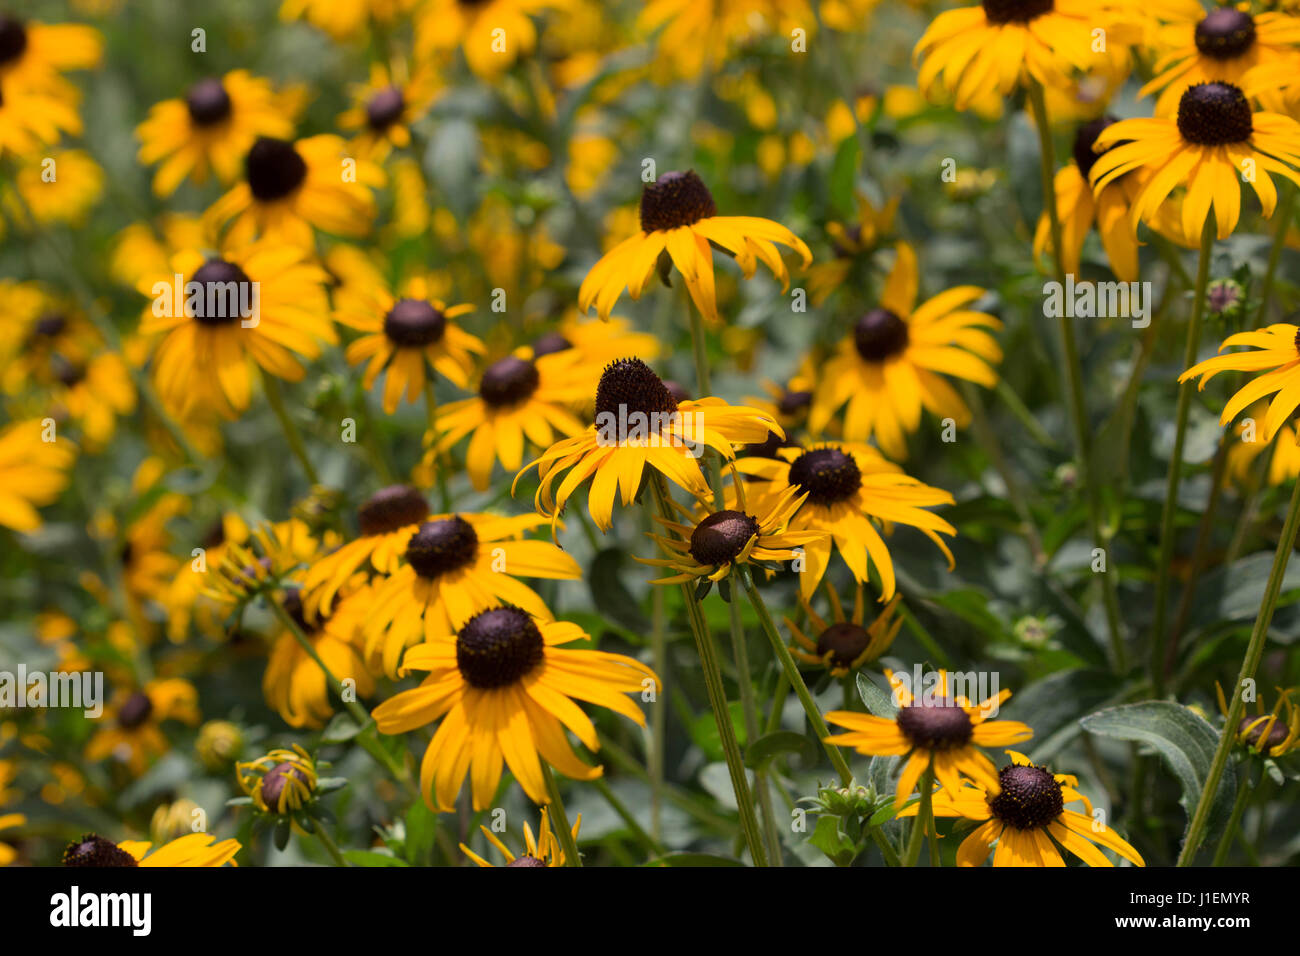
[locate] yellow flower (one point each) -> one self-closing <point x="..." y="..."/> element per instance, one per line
<point x="59" y="188"/>
<point x="32" y="118"/>
<point x="193" y="849"/>
<point x="1277" y="348"/>
<point x="492" y="34"/>
<point x="385" y="107"/>
<point x="33" y="472"/>
<point x="130" y="729"/>
<point x="95" y="395"/>
<point x="844" y="645"/>
<point x="1276" y="733"/>
<point x="279" y="782"/>
<point x="545" y="850"/>
<point x="695" y="34"/>
<point x="34" y="54"/>
<point x="344" y="19"/>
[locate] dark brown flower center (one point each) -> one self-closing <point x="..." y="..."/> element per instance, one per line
<point x="1030" y="798"/>
<point x="721" y="536"/>
<point x="880" y="334"/>
<point x="208" y="102"/>
<point x="1016" y="11"/>
<point x="526" y="861"/>
<point x="828" y="475"/>
<point x="498" y="647"/>
<point x="1225" y="33"/>
<point x="1084" y="157"/>
<point x="274" y="169"/>
<point x="794" y="403"/>
<point x="845" y="642"/>
<point x="549" y="344"/>
<point x="1212" y="114"/>
<point x="50" y="325"/>
<point x="442" y="546"/>
<point x="13" y="39"/>
<point x="509" y="381"/>
<point x="135" y="710"/>
<point x="675" y="199"/>
<point x="935" y="726"/>
<point x="629" y="385"/>
<point x="93" y="850"/>
<point x="385" y="108"/>
<point x="277" y="780"/>
<point x="390" y="509"/>
<point x="414" y="323"/>
<point x="1277" y="733"/>
<point x="67" y="372"/>
<point x="227" y="293"/>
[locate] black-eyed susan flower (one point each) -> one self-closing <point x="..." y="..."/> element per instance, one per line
<point x="1275" y="733"/>
<point x="7" y="822"/>
<point x="452" y="567"/>
<point x="711" y="543"/>
<point x="385" y="107"/>
<point x="493" y="34"/>
<point x="850" y="488"/>
<point x="193" y="849"/>
<point x="131" y="730"/>
<point x="279" y="782"/>
<point x="211" y="129"/>
<point x="291" y="187"/>
<point x="599" y="343"/>
<point x="33" y="472"/>
<point x="694" y="34"/>
<point x="406" y="334"/>
<point x="1221" y="46"/>
<point x="1283" y="466"/>
<point x="344" y="19"/>
<point x="67" y="199"/>
<point x="230" y="314"/>
<point x="640" y="424"/>
<point x="844" y="644"/>
<point x="679" y="220"/>
<point x="503" y="687"/>
<point x="272" y="551"/>
<point x="94" y="396"/>
<point x="1276" y="353"/>
<point x="893" y="364"/>
<point x="851" y="245"/>
<point x="32" y="118"/>
<point x="1210" y="146"/>
<point x="35" y="54"/>
<point x="542" y="850"/>
<point x="1080" y="210"/>
<point x="44" y="329"/>
<point x="936" y="729"/>
<point x="1025" y="815"/>
<point x="519" y="398"/>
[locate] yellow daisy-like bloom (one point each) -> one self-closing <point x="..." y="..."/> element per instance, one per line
<point x="33" y="54"/>
<point x="1221" y="46"/>
<point x="68" y="198"/>
<point x="698" y="33"/>
<point x="279" y="782"/>
<point x="992" y="48"/>
<point x="131" y="725"/>
<point x="193" y="849"/>
<point x="713" y="542"/>
<point x="406" y="333"/>
<point x="226" y="315"/>
<point x="844" y="645"/>
<point x="290" y="187"/>
<point x="890" y="367"/>
<point x="1080" y="210"/>
<point x="343" y="19"/>
<point x="33" y="472"/>
<point x="211" y="129"/>
<point x="518" y="397"/>
<point x="271" y="552"/>
<point x="453" y="567"/>
<point x="679" y="220"/>
<point x="95" y="396"/>
<point x="492" y="34"/>
<point x="852" y="244"/>
<point x="545" y="850"/>
<point x="850" y="487"/>
<point x="640" y="424"/>
<point x="503" y="686"/>
<point x="1025" y="815"/>
<point x="599" y="343"/>
<point x="1275" y="348"/>
<point x="31" y="118"/>
<point x="294" y="684"/>
<point x="1283" y="466"/>
<point x="385" y="107"/>
<point x="185" y="599"/>
<point x="7" y="821"/>
<point x="1207" y="148"/>
<point x="1275" y="733"/>
<point x="939" y="731"/>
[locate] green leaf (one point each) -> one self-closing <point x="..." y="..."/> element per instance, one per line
<point x="880" y="702"/>
<point x="421" y="825"/>
<point x="887" y="812"/>
<point x="283" y="827"/>
<point x="828" y="838"/>
<point x="1051" y="706"/>
<point x="372" y="858"/>
<point x="610" y="595"/>
<point x="844" y="171"/>
<point x="1185" y="742"/>
<point x="693" y="859"/>
<point x="780" y="742"/>
<point x="704" y="730"/>
<point x="340" y="729"/>
<point x="1235" y="592"/>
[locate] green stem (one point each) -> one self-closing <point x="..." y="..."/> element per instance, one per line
<point x="1159" y="637"/>
<point x="659" y="716"/>
<point x="328" y="843"/>
<point x="740" y="654"/>
<point x="700" y="351"/>
<point x="560" y="819"/>
<point x="653" y="846"/>
<point x="1230" y="831"/>
<point x="1249" y="664"/>
<point x="1074" y="377"/>
<point x="924" y="818"/>
<point x="886" y="848"/>
<point x="275" y="398"/>
<point x="796" y="679"/>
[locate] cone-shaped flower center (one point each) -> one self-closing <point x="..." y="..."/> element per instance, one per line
<point x="935" y="726"/>
<point x="1276" y="734"/>
<point x="1015" y="11"/>
<point x="526" y="861"/>
<point x="828" y="475"/>
<point x="385" y="108"/>
<point x="1087" y="134"/>
<point x="1212" y="114"/>
<point x="1225" y="33"/>
<point x="391" y="508"/>
<point x="721" y="536"/>
<point x="227" y="293"/>
<point x="208" y="102"/>
<point x="134" y="711"/>
<point x="13" y="39"/>
<point x="498" y="647"/>
<point x="274" y="169"/>
<point x="629" y="385"/>
<point x="509" y="381"/>
<point x="276" y="780"/>
<point x="880" y="334"/>
<point x="441" y="546"/>
<point x="549" y="344"/>
<point x="1030" y="798"/>
<point x="93" y="850"/>
<point x="674" y="200"/>
<point x="794" y="403"/>
<point x="414" y="323"/>
<point x="845" y="641"/>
